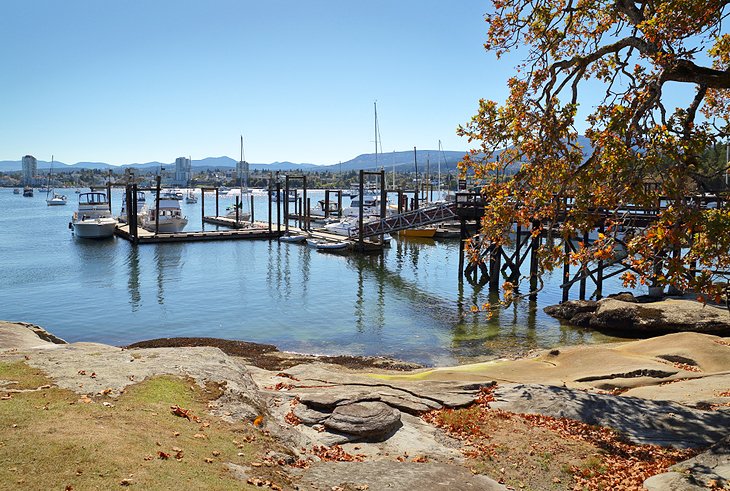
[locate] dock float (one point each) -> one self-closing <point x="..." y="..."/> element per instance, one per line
<point x="147" y="237"/>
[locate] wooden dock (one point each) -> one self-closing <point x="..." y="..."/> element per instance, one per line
<point x="147" y="237"/>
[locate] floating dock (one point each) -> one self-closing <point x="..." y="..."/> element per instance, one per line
<point x="147" y="237"/>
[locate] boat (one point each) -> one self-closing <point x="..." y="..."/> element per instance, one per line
<point x="16" y="191"/>
<point x="176" y="193"/>
<point x="141" y="206"/>
<point x="56" y="199"/>
<point x="293" y="239"/>
<point x="171" y="219"/>
<point x="370" y="205"/>
<point x="292" y="195"/>
<point x="93" y="219"/>
<point x="191" y="198"/>
<point x="423" y="232"/>
<point x="28" y="192"/>
<point x="323" y="245"/>
<point x="347" y="227"/>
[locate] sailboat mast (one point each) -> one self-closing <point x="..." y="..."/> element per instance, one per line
<point x="441" y="152"/>
<point x="375" y="106"/>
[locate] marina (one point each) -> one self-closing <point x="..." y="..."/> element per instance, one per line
<point x="405" y="301"/>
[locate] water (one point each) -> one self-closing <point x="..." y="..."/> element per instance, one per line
<point x="406" y="303"/>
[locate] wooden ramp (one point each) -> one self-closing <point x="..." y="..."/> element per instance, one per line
<point x="411" y="219"/>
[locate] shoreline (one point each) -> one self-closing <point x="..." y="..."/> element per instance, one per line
<point x="672" y="390"/>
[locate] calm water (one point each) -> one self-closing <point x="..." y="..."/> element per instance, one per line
<point x="405" y="303"/>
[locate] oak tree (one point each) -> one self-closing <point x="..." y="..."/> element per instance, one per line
<point x="647" y="83"/>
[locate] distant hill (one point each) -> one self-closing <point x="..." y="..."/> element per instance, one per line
<point x="402" y="161"/>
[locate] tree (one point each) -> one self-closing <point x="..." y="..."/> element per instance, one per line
<point x="632" y="53"/>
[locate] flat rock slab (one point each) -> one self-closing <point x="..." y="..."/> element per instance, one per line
<point x="370" y="419"/>
<point x="711" y="466"/>
<point x="641" y="421"/>
<point x="394" y="476"/>
<point x="22" y="335"/>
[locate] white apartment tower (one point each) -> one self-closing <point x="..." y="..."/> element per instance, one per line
<point x="30" y="169"/>
<point x="183" y="171"/>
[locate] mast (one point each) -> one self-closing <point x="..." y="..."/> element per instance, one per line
<point x="375" y="106"/>
<point x="441" y="152"/>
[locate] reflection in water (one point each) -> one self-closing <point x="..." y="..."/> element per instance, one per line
<point x="135" y="298"/>
<point x="167" y="260"/>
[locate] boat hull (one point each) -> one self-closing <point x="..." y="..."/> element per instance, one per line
<point x="418" y="232"/>
<point x="97" y="228"/>
<point x="167" y="226"/>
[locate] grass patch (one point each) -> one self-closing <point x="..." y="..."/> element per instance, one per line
<point x="53" y="439"/>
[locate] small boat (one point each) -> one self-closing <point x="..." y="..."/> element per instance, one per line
<point x="56" y="200"/>
<point x="292" y="195"/>
<point x="347" y="227"/>
<point x="323" y="245"/>
<point x="293" y="239"/>
<point x="242" y="215"/>
<point x="28" y="192"/>
<point x="191" y="198"/>
<point x="171" y="219"/>
<point x="93" y="219"/>
<point x="16" y="191"/>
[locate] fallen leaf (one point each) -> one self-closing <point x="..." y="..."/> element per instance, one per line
<point x="162" y="455"/>
<point x="215" y="453"/>
<point x="208" y="460"/>
<point x="125" y="482"/>
<point x="258" y="421"/>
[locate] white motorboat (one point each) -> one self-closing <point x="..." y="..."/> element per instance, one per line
<point x="16" y="191"/>
<point x="171" y="219"/>
<point x="370" y="205"/>
<point x="347" y="227"/>
<point x="56" y="200"/>
<point x="93" y="219"/>
<point x="291" y="197"/>
<point x="141" y="206"/>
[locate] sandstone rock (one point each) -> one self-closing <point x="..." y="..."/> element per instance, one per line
<point x="642" y="421"/>
<point x="699" y="472"/>
<point x="394" y="476"/>
<point x="567" y="310"/>
<point x="661" y="317"/>
<point x="368" y="419"/>
<point x="335" y="396"/>
<point x="310" y="416"/>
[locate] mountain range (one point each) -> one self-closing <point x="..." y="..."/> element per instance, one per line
<point x="402" y="161"/>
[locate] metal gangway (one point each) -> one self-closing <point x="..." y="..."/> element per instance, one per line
<point x="410" y="219"/>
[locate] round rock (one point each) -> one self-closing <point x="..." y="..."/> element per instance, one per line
<point x="364" y="419"/>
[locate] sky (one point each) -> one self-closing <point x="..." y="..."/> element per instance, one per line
<point x="138" y="81"/>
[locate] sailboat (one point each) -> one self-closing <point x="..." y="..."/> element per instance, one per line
<point x="244" y="192"/>
<point x="56" y="199"/>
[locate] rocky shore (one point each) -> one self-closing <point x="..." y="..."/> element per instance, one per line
<point x="669" y="390"/>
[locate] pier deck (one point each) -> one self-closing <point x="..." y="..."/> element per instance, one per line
<point x="147" y="237"/>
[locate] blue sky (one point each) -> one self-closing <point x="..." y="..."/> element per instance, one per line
<point x="136" y="81"/>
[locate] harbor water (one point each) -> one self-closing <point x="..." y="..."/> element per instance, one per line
<point x="405" y="303"/>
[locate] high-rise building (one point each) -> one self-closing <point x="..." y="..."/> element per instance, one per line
<point x="183" y="171"/>
<point x="30" y="169"/>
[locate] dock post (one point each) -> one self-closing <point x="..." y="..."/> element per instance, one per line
<point x="268" y="198"/>
<point x="109" y="194"/>
<point x="461" y="249"/>
<point x="326" y="204"/>
<point x="518" y="246"/>
<point x="238" y="204"/>
<point x="534" y="245"/>
<point x="133" y="221"/>
<point x="252" y="217"/>
<point x="305" y="202"/>
<point x="216" y="203"/>
<point x="566" y="269"/>
<point x="339" y="203"/>
<point x="308" y="215"/>
<point x="202" y="207"/>
<point x="583" y="271"/>
<point x="495" y="262"/>
<point x="157" y="206"/>
<point x="400" y="201"/>
<point x="128" y="200"/>
<point x="361" y="212"/>
<point x="599" y="277"/>
<point x="278" y="205"/>
<point x="286" y="204"/>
